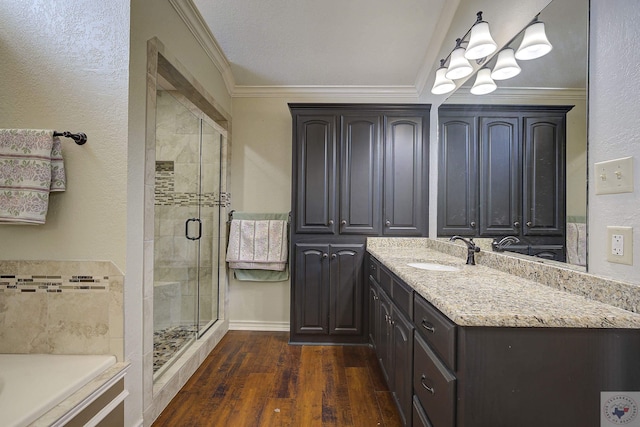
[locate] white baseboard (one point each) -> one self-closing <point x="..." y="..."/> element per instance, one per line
<point x="254" y="325"/>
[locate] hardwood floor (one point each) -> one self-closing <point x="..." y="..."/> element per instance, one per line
<point x="258" y="379"/>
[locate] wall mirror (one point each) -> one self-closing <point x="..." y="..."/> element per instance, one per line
<point x="557" y="79"/>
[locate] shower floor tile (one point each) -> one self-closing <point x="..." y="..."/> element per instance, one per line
<point x="167" y="342"/>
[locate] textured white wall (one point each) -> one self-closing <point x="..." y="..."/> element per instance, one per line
<point x="65" y="66"/>
<point x="614" y="129"/>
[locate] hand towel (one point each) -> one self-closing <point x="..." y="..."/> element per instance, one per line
<point x="257" y="244"/>
<point x="31" y="166"/>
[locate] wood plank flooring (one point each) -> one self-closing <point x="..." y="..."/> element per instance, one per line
<point x="258" y="379"/>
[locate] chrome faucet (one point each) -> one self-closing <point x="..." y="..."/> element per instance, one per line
<point x="499" y="246"/>
<point x="471" y="248"/>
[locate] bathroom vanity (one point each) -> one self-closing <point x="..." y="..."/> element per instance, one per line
<point x="464" y="345"/>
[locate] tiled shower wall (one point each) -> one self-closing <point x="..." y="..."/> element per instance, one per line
<point x="61" y="307"/>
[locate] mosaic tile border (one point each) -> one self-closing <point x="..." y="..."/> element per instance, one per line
<point x="165" y="194"/>
<point x="53" y="284"/>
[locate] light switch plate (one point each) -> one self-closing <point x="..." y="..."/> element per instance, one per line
<point x="614" y="176"/>
<point x="620" y="245"/>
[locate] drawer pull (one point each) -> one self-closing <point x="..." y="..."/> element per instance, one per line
<point x="426" y="387"/>
<point x="427" y="326"/>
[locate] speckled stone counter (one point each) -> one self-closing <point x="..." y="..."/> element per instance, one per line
<point x="483" y="296"/>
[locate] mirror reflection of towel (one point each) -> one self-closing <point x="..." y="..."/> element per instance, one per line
<point x="31" y="166"/>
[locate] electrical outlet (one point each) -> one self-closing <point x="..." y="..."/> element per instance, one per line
<point x="620" y="245"/>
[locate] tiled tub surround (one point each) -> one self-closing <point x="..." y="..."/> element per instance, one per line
<point x="508" y="291"/>
<point x="61" y="307"/>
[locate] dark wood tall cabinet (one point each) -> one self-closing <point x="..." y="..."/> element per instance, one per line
<point x="358" y="170"/>
<point x="502" y="173"/>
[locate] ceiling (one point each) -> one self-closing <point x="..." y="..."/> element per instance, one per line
<point x="375" y="45"/>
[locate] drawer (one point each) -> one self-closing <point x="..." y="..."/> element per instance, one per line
<point x="402" y="295"/>
<point x="436" y="329"/>
<point x="434" y="385"/>
<point x="419" y="417"/>
<point x="385" y="280"/>
<point x="374" y="268"/>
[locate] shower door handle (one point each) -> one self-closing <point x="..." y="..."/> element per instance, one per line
<point x="186" y="228"/>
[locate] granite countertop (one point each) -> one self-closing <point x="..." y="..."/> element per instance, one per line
<point x="483" y="296"/>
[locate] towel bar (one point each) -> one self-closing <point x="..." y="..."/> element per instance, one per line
<point x="80" y="138"/>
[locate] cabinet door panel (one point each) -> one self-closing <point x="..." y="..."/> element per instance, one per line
<point x="384" y="328"/>
<point x="402" y="340"/>
<point x="346" y="288"/>
<point x="457" y="180"/>
<point x="500" y="177"/>
<point x="374" y="312"/>
<point x="316" y="175"/>
<point x="360" y="175"/>
<point x="405" y="166"/>
<point x="311" y="288"/>
<point x="544" y="177"/>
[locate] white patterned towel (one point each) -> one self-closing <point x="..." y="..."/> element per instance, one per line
<point x="31" y="167"/>
<point x="257" y="245"/>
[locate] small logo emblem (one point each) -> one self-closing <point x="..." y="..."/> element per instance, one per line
<point x="620" y="409"/>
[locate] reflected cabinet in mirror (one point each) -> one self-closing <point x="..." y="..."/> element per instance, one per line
<point x="512" y="164"/>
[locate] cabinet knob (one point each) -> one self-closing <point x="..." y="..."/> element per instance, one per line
<point x="334" y="256"/>
<point x="343" y="222"/>
<point x="330" y="222"/>
<point x="325" y="256"/>
<point x="473" y="224"/>
<point x="426" y="387"/>
<point x="516" y="224"/>
<point x="387" y="223"/>
<point x="529" y="223"/>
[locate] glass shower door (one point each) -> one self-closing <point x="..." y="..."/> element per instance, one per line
<point x="210" y="216"/>
<point x="177" y="229"/>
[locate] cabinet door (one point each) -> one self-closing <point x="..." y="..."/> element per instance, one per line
<point x="316" y="174"/>
<point x="311" y="288"/>
<point x="457" y="177"/>
<point x="347" y="293"/>
<point x="374" y="313"/>
<point x="360" y="190"/>
<point x="405" y="176"/>
<point x="544" y="176"/>
<point x="384" y="343"/>
<point x="500" y="176"/>
<point x="402" y="338"/>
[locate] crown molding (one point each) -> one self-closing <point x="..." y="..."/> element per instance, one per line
<point x="196" y="24"/>
<point x="520" y="94"/>
<point x="408" y="92"/>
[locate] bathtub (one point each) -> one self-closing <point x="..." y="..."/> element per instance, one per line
<point x="32" y="384"/>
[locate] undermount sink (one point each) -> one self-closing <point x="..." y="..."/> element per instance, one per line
<point x="432" y="267"/>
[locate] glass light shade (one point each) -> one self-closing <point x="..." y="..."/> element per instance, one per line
<point x="506" y="65"/>
<point x="481" y="44"/>
<point x="484" y="83"/>
<point x="442" y="84"/>
<point x="534" y="42"/>
<point x="459" y="67"/>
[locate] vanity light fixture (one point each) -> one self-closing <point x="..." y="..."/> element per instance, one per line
<point x="459" y="66"/>
<point x="479" y="45"/>
<point x="506" y="65"/>
<point x="484" y="84"/>
<point x="534" y="42"/>
<point x="442" y="84"/>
